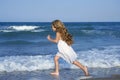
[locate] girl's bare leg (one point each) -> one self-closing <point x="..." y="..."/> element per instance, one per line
<point x="84" y="68"/>
<point x="56" y="66"/>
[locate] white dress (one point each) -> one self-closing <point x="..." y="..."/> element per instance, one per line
<point x="66" y="52"/>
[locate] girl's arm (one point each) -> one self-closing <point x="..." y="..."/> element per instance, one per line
<point x="56" y="39"/>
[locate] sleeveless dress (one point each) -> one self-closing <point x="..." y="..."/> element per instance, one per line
<point x="66" y="52"/>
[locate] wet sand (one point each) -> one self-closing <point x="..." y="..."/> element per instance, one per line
<point x="65" y="74"/>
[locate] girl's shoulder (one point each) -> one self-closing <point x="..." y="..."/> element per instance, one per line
<point x="58" y="35"/>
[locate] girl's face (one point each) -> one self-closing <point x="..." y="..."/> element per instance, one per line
<point x="53" y="28"/>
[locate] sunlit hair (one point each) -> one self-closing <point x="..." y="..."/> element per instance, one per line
<point x="65" y="35"/>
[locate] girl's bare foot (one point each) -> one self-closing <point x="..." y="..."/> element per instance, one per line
<point x="55" y="73"/>
<point x="86" y="71"/>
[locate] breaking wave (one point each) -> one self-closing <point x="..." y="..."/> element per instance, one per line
<point x="102" y="58"/>
<point x="22" y="28"/>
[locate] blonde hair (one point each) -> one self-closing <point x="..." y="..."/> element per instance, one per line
<point x="65" y="35"/>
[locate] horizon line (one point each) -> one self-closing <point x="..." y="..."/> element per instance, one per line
<point x="62" y="21"/>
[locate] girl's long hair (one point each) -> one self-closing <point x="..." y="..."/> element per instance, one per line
<point x="65" y="35"/>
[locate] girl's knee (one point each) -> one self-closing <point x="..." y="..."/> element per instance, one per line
<point x="74" y="62"/>
<point x="56" y="58"/>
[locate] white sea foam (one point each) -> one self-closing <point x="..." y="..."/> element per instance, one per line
<point x="25" y="63"/>
<point x="103" y="58"/>
<point x="22" y="28"/>
<point x="38" y="30"/>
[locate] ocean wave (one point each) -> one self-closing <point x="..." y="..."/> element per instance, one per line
<point x="113" y="33"/>
<point x="16" y="42"/>
<point x="23" y="42"/>
<point x="104" y="58"/>
<point x="25" y="63"/>
<point x="22" y="28"/>
<point x="95" y="58"/>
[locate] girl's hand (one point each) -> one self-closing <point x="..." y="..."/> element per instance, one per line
<point x="48" y="37"/>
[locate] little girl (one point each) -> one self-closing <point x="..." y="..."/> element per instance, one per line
<point x="65" y="51"/>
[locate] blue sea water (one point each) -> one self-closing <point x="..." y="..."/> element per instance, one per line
<point x="24" y="46"/>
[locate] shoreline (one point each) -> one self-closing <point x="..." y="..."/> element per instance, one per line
<point x="65" y="74"/>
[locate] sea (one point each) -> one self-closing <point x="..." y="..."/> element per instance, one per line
<point x="24" y="45"/>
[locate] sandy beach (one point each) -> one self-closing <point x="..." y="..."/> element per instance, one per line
<point x="65" y="74"/>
